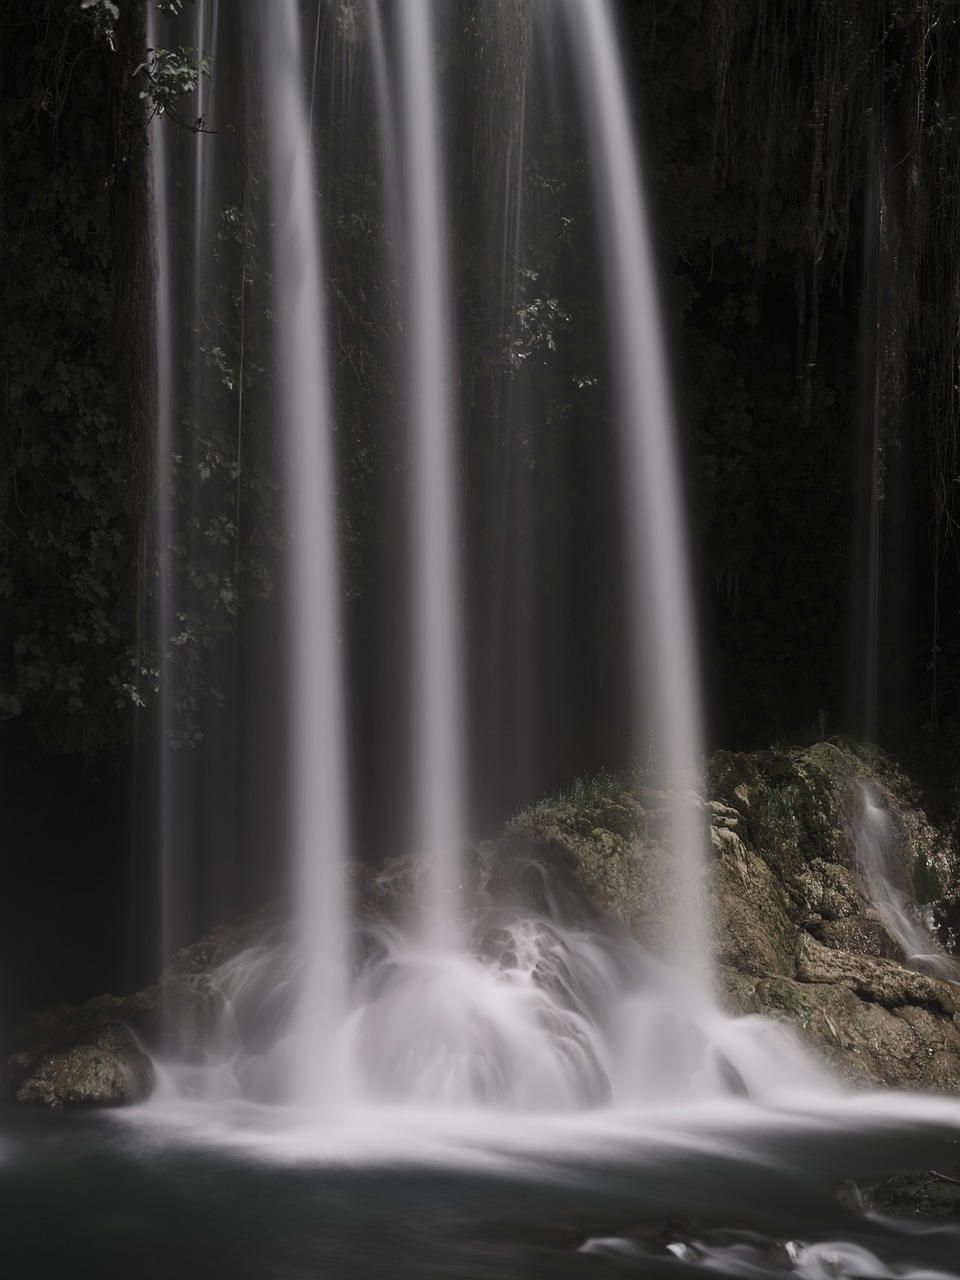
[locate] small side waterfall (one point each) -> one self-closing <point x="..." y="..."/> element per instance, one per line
<point x="880" y="863"/>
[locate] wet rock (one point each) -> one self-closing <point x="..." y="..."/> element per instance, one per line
<point x="828" y="891"/>
<point x="91" y="1055"/>
<point x="753" y="929"/>
<point x="877" y="981"/>
<point x="63" y="1052"/>
<point x="862" y="935"/>
<point x="225" y="941"/>
<point x="864" y="1043"/>
<point x="103" y="1068"/>
<point x="915" y="1193"/>
<point x="794" y="935"/>
<point x="945" y="922"/>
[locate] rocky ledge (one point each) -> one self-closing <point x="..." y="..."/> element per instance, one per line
<point x="797" y="934"/>
<point x="96" y="1067"/>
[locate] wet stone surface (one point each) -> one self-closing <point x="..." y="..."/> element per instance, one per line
<point x="916" y="1193"/>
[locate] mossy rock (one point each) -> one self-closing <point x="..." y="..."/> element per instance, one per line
<point x="794" y="937"/>
<point x="106" y="1068"/>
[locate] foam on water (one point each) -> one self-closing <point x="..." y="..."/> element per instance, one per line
<point x="543" y="1011"/>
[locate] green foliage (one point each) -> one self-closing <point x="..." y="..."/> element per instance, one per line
<point x="756" y="119"/>
<point x="225" y="508"/>
<point x="102" y="17"/>
<point x="168" y="76"/>
<point x="72" y="558"/>
<point x="583" y="793"/>
<point x="68" y="550"/>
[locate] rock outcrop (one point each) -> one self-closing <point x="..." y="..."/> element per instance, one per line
<point x="795" y="936"/>
<point x="99" y="1067"/>
<point x="97" y="1053"/>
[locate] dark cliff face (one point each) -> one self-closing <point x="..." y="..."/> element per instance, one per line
<point x="759" y="154"/>
<point x="761" y="245"/>
<point x="799" y="185"/>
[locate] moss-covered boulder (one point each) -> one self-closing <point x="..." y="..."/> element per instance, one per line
<point x="98" y="1053"/>
<point x="796" y="935"/>
<point x="102" y="1067"/>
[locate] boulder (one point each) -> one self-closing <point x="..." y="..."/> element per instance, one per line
<point x="97" y="1053"/>
<point x="104" y="1067"/>
<point x="930" y="1194"/>
<point x="794" y="935"/>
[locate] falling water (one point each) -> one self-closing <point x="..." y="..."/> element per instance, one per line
<point x="522" y="1002"/>
<point x="318" y="783"/>
<point x="439" y="728"/>
<point x="500" y="998"/>
<point x="880" y="864"/>
<point x="163" y="522"/>
<point x="865" y="597"/>
<point x="667" y="691"/>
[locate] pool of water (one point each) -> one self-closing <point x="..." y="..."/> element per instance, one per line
<point x="730" y="1189"/>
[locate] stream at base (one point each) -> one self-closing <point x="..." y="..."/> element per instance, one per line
<point x="727" y="1188"/>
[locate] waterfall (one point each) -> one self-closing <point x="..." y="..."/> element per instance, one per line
<point x="880" y="863"/>
<point x="483" y="985"/>
<point x="436" y="680"/>
<point x="318" y="783"/>
<point x="163" y="527"/>
<point x="666" y="684"/>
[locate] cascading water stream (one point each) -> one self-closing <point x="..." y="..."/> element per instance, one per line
<point x="497" y="994"/>
<point x="163" y="304"/>
<point x="666" y="682"/>
<point x="880" y="864"/>
<point x="386" y="121"/>
<point x="437" y="681"/>
<point x="318" y="786"/>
